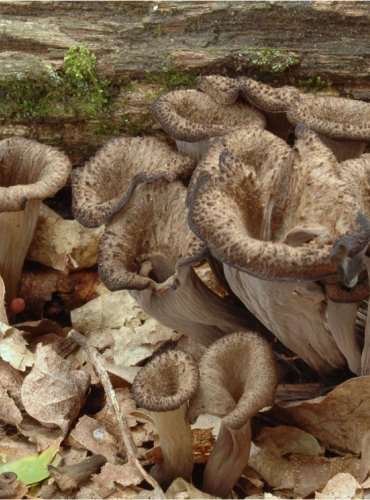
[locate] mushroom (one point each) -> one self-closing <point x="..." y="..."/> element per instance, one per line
<point x="342" y="124"/>
<point x="279" y="228"/>
<point x="29" y="172"/>
<point x="164" y="386"/>
<point x="238" y="378"/>
<point x="192" y="118"/>
<point x="148" y="248"/>
<point x="272" y="102"/>
<point x="102" y="186"/>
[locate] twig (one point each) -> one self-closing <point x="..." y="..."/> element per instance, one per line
<point x="127" y="441"/>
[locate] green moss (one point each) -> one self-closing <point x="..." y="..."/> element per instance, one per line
<point x="76" y="89"/>
<point x="170" y="80"/>
<point x="315" y="84"/>
<point x="274" y="60"/>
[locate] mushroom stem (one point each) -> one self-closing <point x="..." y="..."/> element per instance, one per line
<point x="227" y="460"/>
<point x="176" y="442"/>
<point x="164" y="387"/>
<point x="16" y="231"/>
<point x="193" y="149"/>
<point x="365" y="358"/>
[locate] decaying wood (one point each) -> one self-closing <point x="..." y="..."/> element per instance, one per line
<point x="143" y="47"/>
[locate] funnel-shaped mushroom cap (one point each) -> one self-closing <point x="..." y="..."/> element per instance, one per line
<point x="267" y="151"/>
<point x="266" y="97"/>
<point x="148" y="240"/>
<point x="334" y="117"/>
<point x="165" y="383"/>
<point x="189" y="115"/>
<point x="106" y="182"/>
<point x="147" y="247"/>
<point x="238" y="378"/>
<point x="164" y="386"/>
<point x="29" y="171"/>
<point x="279" y="222"/>
<point x="222" y="89"/>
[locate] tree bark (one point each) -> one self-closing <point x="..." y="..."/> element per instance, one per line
<point x="145" y="48"/>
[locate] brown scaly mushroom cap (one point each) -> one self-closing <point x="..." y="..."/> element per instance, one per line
<point x="343" y="124"/>
<point x="29" y="172"/>
<point x="164" y="387"/>
<point x="268" y="157"/>
<point x="238" y="378"/>
<point x="273" y="102"/>
<point x="148" y="240"/>
<point x="253" y="217"/>
<point x="189" y="116"/>
<point x="222" y="89"/>
<point x="106" y="182"/>
<point x="147" y="248"/>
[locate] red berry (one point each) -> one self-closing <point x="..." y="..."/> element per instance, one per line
<point x="17" y="305"/>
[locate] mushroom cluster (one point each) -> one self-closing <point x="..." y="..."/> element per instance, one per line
<point x="286" y="229"/>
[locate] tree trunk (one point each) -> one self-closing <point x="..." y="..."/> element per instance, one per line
<point x="146" y="48"/>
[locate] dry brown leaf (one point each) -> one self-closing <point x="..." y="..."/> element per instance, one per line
<point x="52" y="393"/>
<point x="63" y="245"/>
<point x="126" y="475"/>
<point x="71" y="477"/>
<point x="339" y="420"/>
<point x="289" y="440"/>
<point x="93" y="436"/>
<point x="203" y="442"/>
<point x="127" y="405"/>
<point x="3" y="316"/>
<point x="291" y="460"/>
<point x="74" y="290"/>
<point x="115" y="318"/>
<point x="14" y="448"/>
<point x="365" y="457"/>
<point x="312" y="473"/>
<point x="13" y="348"/>
<point x="9" y="413"/>
<point x="11" y="380"/>
<point x="43" y="437"/>
<point x="182" y="489"/>
<point x="343" y="485"/>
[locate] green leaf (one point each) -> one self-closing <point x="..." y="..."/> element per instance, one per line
<point x="34" y="468"/>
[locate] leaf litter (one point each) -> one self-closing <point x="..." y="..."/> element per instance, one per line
<point x="60" y="437"/>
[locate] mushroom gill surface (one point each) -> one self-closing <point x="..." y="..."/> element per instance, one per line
<point x="29" y="172"/>
<point x="148" y="248"/>
<point x="164" y="386"/>
<point x="192" y="118"/>
<point x="273" y="246"/>
<point x="238" y="378"/>
<point x="342" y="124"/>
<point x="102" y="186"/>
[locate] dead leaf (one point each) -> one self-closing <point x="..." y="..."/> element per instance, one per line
<point x="339" y="420"/>
<point x="42" y="436"/>
<point x="343" y="485"/>
<point x="289" y="440"/>
<point x="182" y="489"/>
<point x="93" y="436"/>
<point x="203" y="442"/>
<point x="14" y="448"/>
<point x="115" y="319"/>
<point x="13" y="348"/>
<point x="9" y="413"/>
<point x="11" y="380"/>
<point x="126" y="475"/>
<point x="52" y="393"/>
<point x="40" y="287"/>
<point x="365" y="457"/>
<point x="70" y="477"/>
<point x="3" y="316"/>
<point x="63" y="245"/>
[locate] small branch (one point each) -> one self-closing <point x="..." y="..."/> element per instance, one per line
<point x="127" y="441"/>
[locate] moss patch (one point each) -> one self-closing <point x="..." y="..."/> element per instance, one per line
<point x="35" y="92"/>
<point x="315" y="84"/>
<point x="274" y="60"/>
